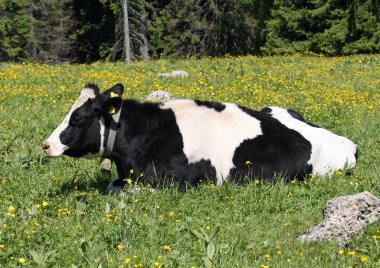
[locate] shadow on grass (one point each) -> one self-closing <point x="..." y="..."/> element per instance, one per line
<point x="96" y="181"/>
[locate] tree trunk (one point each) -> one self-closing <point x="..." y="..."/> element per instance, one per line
<point x="127" y="41"/>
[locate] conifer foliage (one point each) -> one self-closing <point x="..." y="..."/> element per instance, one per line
<point x="91" y="30"/>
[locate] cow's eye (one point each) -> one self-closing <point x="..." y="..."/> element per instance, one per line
<point x="75" y="122"/>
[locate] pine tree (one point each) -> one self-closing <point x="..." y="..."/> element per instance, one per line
<point x="331" y="27"/>
<point x="14" y="29"/>
<point x="95" y="29"/>
<point x="51" y="32"/>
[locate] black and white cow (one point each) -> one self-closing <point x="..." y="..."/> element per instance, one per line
<point x="188" y="141"/>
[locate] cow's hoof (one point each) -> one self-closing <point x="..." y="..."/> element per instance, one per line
<point x="112" y="189"/>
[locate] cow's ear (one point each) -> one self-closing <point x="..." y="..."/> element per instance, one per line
<point x="117" y="89"/>
<point x="110" y="101"/>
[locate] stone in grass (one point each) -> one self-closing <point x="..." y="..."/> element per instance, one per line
<point x="344" y="216"/>
<point x="158" y="96"/>
<point x="179" y="73"/>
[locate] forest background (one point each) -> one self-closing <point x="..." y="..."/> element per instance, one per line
<point x="92" y="30"/>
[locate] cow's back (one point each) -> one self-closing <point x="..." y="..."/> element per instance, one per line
<point x="213" y="131"/>
<point x="330" y="152"/>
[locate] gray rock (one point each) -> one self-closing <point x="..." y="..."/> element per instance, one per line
<point x="158" y="96"/>
<point x="179" y="73"/>
<point x="344" y="216"/>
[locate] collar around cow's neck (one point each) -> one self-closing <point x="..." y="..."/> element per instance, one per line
<point x="114" y="124"/>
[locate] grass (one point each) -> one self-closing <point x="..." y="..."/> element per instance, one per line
<point x="54" y="213"/>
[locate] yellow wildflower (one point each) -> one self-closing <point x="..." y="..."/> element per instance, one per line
<point x="11" y="208"/>
<point x="45" y="204"/>
<point x="120" y="247"/>
<point x="22" y="261"/>
<point x="167" y="248"/>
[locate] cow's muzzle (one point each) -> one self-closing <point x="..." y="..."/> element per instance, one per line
<point x="45" y="146"/>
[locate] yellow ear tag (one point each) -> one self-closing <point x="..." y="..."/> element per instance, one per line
<point x="111" y="110"/>
<point x="114" y="95"/>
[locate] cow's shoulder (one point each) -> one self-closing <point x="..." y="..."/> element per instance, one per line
<point x="286" y="115"/>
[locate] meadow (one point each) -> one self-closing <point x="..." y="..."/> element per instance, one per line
<point x="54" y="212"/>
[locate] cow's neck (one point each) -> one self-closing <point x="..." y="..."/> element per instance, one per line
<point x="111" y="129"/>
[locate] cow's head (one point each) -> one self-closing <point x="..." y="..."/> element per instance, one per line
<point x="81" y="133"/>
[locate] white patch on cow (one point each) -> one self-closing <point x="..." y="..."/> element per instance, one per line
<point x="56" y="148"/>
<point x="329" y="153"/>
<point x="102" y="131"/>
<point x="222" y="132"/>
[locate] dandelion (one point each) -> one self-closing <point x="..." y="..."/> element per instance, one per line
<point x="22" y="261"/>
<point x="267" y="256"/>
<point x="4" y="225"/>
<point x="171" y="214"/>
<point x="363" y="258"/>
<point x="167" y="248"/>
<point x="120" y="247"/>
<point x="156" y="264"/>
<point x="247" y="163"/>
<point x="38" y="206"/>
<point x="127" y="260"/>
<point x="11" y="208"/>
<point x="351" y="253"/>
<point x="341" y="252"/>
<point x="45" y="204"/>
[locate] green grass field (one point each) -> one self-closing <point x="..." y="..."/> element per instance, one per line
<point x="54" y="213"/>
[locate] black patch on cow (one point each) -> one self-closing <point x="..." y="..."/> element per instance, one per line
<point x="82" y="135"/>
<point x="279" y="150"/>
<point x="356" y="154"/>
<point x="296" y="115"/>
<point x="266" y="110"/>
<point x="212" y="105"/>
<point x="150" y="143"/>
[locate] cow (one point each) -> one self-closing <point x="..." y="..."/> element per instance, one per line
<point x="189" y="141"/>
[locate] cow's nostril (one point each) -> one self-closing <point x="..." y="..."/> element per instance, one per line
<point x="45" y="146"/>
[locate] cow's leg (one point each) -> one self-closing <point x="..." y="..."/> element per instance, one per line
<point x="116" y="186"/>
